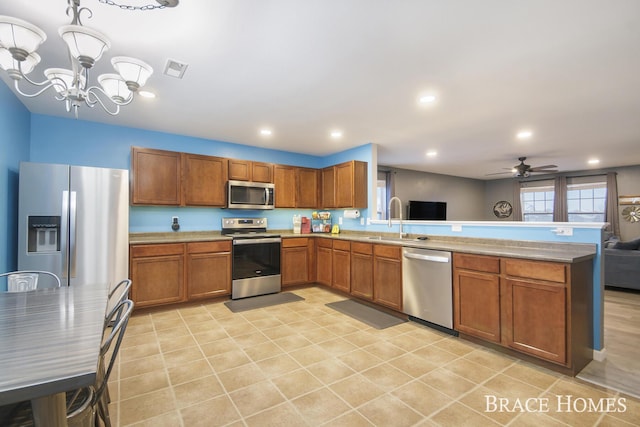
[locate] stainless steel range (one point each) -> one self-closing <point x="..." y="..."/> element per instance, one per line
<point x="256" y="257"/>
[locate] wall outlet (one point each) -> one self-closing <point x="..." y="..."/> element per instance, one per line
<point x="368" y="221"/>
<point x="175" y="225"/>
<point x="339" y="220"/>
<point x="563" y="231"/>
<point x="361" y="221"/>
<point x="456" y="227"/>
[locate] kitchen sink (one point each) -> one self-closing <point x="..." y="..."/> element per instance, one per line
<point x="393" y="239"/>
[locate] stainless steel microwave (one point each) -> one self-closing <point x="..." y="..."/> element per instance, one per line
<point x="250" y="195"/>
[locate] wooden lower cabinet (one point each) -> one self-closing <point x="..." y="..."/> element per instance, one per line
<point x="387" y="276"/>
<point x="535" y="318"/>
<point x="477" y="296"/>
<point x="208" y="269"/>
<point x="157" y="274"/>
<point x="362" y="270"/>
<point x="297" y="261"/>
<point x="324" y="261"/>
<point x="341" y="263"/>
<point x="540" y="308"/>
<point x="177" y="272"/>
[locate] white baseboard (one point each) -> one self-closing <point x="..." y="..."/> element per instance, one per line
<point x="600" y="355"/>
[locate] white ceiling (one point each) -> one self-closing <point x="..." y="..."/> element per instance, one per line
<point x="569" y="70"/>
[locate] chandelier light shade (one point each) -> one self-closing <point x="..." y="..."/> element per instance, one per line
<point x="20" y="37"/>
<point x="134" y="71"/>
<point x="85" y="45"/>
<point x="62" y="79"/>
<point x="10" y="65"/>
<point x="115" y="87"/>
<point x="19" y="41"/>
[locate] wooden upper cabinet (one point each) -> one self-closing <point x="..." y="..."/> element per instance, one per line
<point x="155" y="177"/>
<point x="204" y="180"/>
<point x="351" y="185"/>
<point x="328" y="187"/>
<point x="308" y="186"/>
<point x="246" y="170"/>
<point x="285" y="186"/>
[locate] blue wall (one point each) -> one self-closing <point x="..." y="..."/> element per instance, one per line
<point x="77" y="142"/>
<point x="14" y="146"/>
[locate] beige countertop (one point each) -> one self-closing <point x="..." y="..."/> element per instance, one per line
<point x="535" y="250"/>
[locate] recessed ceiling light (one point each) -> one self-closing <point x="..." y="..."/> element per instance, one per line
<point x="266" y="132"/>
<point x="427" y="99"/>
<point x="336" y="134"/>
<point x="146" y="94"/>
<point x="593" y="161"/>
<point x="432" y="153"/>
<point x="524" y="134"/>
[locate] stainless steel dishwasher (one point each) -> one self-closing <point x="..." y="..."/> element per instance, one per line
<point x="426" y="286"/>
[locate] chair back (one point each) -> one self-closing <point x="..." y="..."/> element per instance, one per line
<point x="27" y="280"/>
<point x="119" y="293"/>
<point x="121" y="312"/>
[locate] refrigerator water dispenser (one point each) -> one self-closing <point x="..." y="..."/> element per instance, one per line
<point x="43" y="235"/>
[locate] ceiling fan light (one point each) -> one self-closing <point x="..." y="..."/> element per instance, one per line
<point x="20" y="37"/>
<point x="62" y="79"/>
<point x="115" y="87"/>
<point x="85" y="44"/>
<point x="9" y="63"/>
<point x="134" y="71"/>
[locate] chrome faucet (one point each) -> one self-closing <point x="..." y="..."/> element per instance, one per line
<point x="400" y="205"/>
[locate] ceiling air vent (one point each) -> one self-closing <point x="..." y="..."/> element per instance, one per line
<point x="175" y="68"/>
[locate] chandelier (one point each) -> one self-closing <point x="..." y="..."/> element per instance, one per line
<point x="19" y="41"/>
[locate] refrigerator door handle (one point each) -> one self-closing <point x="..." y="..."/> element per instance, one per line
<point x="63" y="240"/>
<point x="72" y="234"/>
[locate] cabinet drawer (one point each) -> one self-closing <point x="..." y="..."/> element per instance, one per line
<point x="342" y="245"/>
<point x="295" y="242"/>
<point x="362" y="248"/>
<point x="488" y="264"/>
<point x="207" y="247"/>
<point x="549" y="271"/>
<point x="387" y="251"/>
<point x="325" y="243"/>
<point x="157" y="250"/>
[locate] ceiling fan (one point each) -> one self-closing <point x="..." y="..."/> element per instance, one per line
<point x="523" y="170"/>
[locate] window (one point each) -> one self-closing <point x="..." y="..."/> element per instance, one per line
<point x="586" y="199"/>
<point x="537" y="202"/>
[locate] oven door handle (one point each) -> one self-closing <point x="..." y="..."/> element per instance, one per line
<point x="256" y="241"/>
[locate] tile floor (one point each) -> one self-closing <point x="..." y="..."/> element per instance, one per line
<point x="303" y="364"/>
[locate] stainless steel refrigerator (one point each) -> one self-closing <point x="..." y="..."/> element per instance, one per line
<point x="74" y="221"/>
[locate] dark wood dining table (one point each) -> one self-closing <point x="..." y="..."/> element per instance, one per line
<point x="50" y="344"/>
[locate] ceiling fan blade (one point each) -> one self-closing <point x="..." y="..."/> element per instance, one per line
<point x="498" y="173"/>
<point x="540" y="168"/>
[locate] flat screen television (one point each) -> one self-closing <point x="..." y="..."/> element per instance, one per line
<point x="433" y="211"/>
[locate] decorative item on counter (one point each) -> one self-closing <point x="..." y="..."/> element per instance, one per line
<point x="335" y="229"/>
<point x="321" y="222"/>
<point x="305" y="227"/>
<point x="297" y="223"/>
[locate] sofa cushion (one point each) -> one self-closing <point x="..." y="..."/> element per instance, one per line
<point x="631" y="245"/>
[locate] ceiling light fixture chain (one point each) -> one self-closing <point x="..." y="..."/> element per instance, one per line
<point x="19" y="41"/>
<point x="161" y="5"/>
